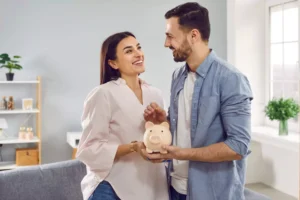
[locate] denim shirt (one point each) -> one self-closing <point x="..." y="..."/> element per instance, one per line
<point x="221" y="112"/>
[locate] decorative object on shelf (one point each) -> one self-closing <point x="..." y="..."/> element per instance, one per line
<point x="22" y="133"/>
<point x="10" y="103"/>
<point x="3" y="125"/>
<point x="282" y="110"/>
<point x="10" y="64"/>
<point x="27" y="104"/>
<point x="27" y="156"/>
<point x="3" y="105"/>
<point x="29" y="134"/>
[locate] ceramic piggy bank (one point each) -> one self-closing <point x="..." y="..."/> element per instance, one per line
<point x="155" y="136"/>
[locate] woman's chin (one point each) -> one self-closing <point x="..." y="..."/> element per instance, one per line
<point x="140" y="70"/>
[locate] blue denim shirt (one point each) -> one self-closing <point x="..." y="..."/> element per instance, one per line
<point x="221" y="112"/>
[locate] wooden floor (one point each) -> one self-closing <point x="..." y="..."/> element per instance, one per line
<point x="270" y="192"/>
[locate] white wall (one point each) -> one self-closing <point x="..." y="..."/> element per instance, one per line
<point x="273" y="165"/>
<point x="60" y="40"/>
<point x="245" y="47"/>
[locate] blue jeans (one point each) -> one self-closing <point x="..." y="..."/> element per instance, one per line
<point x="104" y="191"/>
<point x="175" y="195"/>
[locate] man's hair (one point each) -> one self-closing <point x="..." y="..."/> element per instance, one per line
<point x="191" y="15"/>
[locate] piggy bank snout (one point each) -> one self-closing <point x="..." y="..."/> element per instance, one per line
<point x="155" y="139"/>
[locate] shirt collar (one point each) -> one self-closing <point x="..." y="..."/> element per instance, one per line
<point x="203" y="68"/>
<point x="121" y="81"/>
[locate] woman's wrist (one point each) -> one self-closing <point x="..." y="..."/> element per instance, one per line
<point x="133" y="146"/>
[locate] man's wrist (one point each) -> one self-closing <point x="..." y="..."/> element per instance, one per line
<point x="183" y="154"/>
<point x="187" y="153"/>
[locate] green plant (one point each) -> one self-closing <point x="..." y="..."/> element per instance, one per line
<point x="282" y="109"/>
<point x="9" y="63"/>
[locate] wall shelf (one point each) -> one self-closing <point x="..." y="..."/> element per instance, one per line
<point x="37" y="111"/>
<point x="8" y="165"/>
<point x="19" y="111"/>
<point x="15" y="140"/>
<point x="19" y="82"/>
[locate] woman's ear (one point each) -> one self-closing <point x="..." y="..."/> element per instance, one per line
<point x="113" y="64"/>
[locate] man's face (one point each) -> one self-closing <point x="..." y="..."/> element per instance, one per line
<point x="176" y="40"/>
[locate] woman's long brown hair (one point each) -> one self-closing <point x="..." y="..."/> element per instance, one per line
<point x="109" y="52"/>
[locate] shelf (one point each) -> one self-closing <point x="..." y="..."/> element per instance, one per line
<point x="18" y="111"/>
<point x="15" y="140"/>
<point x="7" y="165"/>
<point x="19" y="82"/>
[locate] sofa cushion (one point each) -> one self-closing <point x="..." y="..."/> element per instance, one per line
<point x="55" y="181"/>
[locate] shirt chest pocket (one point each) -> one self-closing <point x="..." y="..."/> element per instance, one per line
<point x="208" y="110"/>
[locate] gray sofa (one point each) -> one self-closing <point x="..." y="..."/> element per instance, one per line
<point x="55" y="181"/>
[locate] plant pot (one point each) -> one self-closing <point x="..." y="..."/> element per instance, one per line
<point x="9" y="76"/>
<point x="283" y="127"/>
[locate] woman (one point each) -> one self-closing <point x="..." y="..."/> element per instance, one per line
<point x="113" y="121"/>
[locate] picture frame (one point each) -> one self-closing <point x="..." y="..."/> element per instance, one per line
<point x="27" y="104"/>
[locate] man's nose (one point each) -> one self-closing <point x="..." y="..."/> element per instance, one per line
<point x="167" y="43"/>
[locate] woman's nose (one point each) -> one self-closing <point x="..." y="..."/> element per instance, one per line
<point x="138" y="53"/>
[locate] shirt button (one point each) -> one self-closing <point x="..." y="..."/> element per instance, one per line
<point x="173" y="120"/>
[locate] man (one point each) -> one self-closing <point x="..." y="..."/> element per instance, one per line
<point x="209" y="113"/>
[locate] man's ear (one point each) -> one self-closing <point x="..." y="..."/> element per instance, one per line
<point x="195" y="35"/>
<point x="113" y="64"/>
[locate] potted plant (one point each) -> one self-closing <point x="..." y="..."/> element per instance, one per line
<point x="10" y="64"/>
<point x="282" y="110"/>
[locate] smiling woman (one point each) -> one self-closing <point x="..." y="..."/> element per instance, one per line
<point x="113" y="127"/>
<point x="121" y="55"/>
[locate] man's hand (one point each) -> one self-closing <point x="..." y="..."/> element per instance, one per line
<point x="173" y="153"/>
<point x="155" y="114"/>
<point x="140" y="148"/>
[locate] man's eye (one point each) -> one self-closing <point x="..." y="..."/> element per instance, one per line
<point x="129" y="51"/>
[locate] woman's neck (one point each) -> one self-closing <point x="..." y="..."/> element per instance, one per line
<point x="133" y="82"/>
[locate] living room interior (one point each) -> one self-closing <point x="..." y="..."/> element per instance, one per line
<point x="55" y="46"/>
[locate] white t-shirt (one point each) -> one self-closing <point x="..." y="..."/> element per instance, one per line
<point x="182" y="136"/>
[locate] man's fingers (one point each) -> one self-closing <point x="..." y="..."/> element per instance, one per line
<point x="147" y="112"/>
<point x="154" y="105"/>
<point x="150" y="108"/>
<point x="155" y="156"/>
<point x="157" y="161"/>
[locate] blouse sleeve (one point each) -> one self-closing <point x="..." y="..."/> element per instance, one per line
<point x="95" y="149"/>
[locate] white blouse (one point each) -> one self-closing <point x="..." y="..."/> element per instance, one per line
<point x="113" y="115"/>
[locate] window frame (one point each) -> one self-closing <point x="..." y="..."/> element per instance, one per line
<point x="293" y="126"/>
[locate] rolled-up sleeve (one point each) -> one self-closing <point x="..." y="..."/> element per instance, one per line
<point x="236" y="97"/>
<point x="95" y="148"/>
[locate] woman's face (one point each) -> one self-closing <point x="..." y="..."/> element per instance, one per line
<point x="130" y="57"/>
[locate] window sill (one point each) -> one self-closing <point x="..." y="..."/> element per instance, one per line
<point x="269" y="135"/>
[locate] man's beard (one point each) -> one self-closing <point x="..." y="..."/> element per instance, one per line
<point x="182" y="53"/>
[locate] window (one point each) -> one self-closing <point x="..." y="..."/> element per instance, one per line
<point x="283" y="53"/>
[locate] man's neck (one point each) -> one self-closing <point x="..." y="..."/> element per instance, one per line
<point x="197" y="57"/>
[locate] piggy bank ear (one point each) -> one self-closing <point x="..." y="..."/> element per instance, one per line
<point x="165" y="124"/>
<point x="148" y="125"/>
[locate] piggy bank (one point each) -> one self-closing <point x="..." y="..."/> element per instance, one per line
<point x="155" y="136"/>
